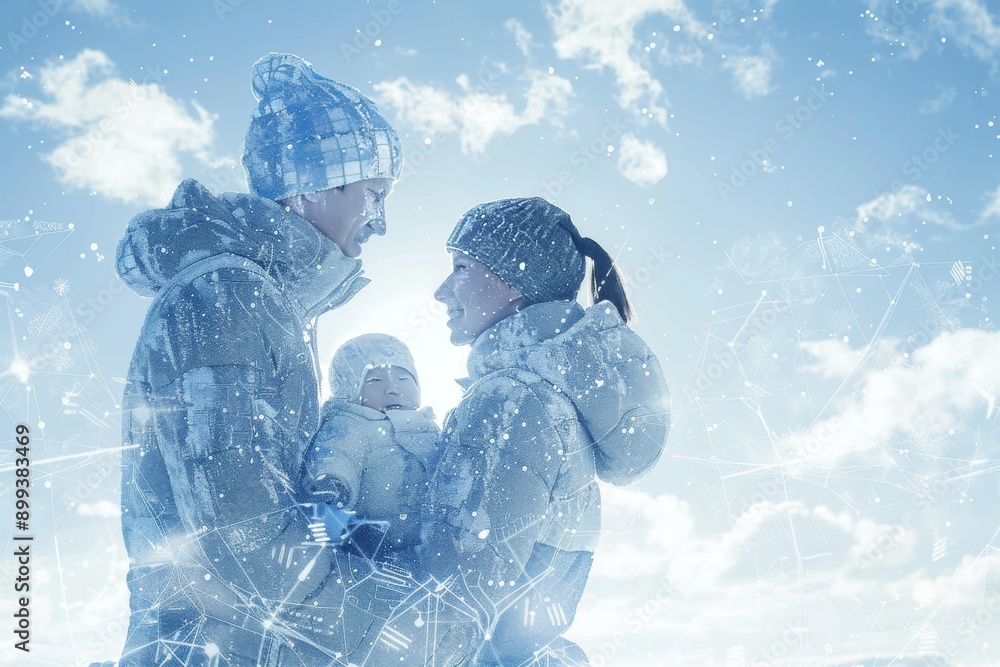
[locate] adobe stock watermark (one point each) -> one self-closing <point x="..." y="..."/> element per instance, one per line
<point x="423" y="317"/>
<point x="30" y="25"/>
<point x="768" y="488"/>
<point x="779" y="649"/>
<point x="584" y="156"/>
<point x="985" y="615"/>
<point x="924" y="504"/>
<point x="223" y="7"/>
<point x="755" y="326"/>
<point x="689" y="54"/>
<point x="786" y="127"/>
<point x="654" y="262"/>
<point x="903" y="11"/>
<point x="726" y="17"/>
<point x="886" y="542"/>
<point x="369" y="33"/>
<point x="97" y="303"/>
<point x="915" y="167"/>
<point x="104" y="641"/>
<point x="636" y="621"/>
<point x="416" y="157"/>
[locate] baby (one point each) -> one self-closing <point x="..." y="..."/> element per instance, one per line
<point x="376" y="449"/>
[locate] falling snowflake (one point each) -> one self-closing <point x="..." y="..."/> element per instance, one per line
<point x="61" y="287"/>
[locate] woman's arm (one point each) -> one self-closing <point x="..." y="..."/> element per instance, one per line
<point x="491" y="491"/>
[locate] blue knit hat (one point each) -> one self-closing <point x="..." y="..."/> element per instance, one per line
<point x="309" y="133"/>
<point x="530" y="243"/>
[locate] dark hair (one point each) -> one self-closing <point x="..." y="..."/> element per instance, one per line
<point x="606" y="280"/>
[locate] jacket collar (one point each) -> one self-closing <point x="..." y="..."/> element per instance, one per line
<point x="506" y="343"/>
<point x="329" y="281"/>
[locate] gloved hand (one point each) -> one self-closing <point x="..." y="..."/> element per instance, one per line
<point x="329" y="524"/>
<point x="365" y="538"/>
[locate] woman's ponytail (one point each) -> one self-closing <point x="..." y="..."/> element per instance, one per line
<point x="606" y="280"/>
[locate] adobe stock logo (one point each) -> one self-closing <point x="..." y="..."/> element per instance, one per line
<point x="37" y="21"/>
<point x="372" y="29"/>
<point x="786" y="127"/>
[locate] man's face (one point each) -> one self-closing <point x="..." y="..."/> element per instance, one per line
<point x="349" y="215"/>
<point x="476" y="298"/>
<point x="390" y="388"/>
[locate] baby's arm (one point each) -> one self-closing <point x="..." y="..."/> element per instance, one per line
<point x="417" y="432"/>
<point x="336" y="460"/>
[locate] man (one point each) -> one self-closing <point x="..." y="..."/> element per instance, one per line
<point x="223" y="390"/>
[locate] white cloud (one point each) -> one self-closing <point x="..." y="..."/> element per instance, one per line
<point x="878" y="545"/>
<point x="121" y="139"/>
<point x="478" y="115"/>
<point x="917" y="401"/>
<point x="992" y="210"/>
<point x="524" y="40"/>
<point x="603" y="34"/>
<point x="834" y="358"/>
<point x="920" y="25"/>
<point x="640" y="161"/>
<point x="102" y="508"/>
<point x="664" y="523"/>
<point x="106" y="10"/>
<point x="661" y="571"/>
<point x="971" y="24"/>
<point x="676" y="566"/>
<point x="95" y="7"/>
<point x="911" y="203"/>
<point x="963" y="588"/>
<point x="891" y="23"/>
<point x="650" y="536"/>
<point x="752" y="74"/>
<point x="938" y="103"/>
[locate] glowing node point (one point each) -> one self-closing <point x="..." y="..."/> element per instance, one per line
<point x="20" y="369"/>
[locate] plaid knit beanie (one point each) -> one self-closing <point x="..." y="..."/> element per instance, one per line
<point x="309" y="133"/>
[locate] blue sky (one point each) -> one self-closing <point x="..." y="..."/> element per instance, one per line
<point x="789" y="186"/>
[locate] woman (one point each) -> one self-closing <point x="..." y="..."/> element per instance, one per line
<point x="557" y="397"/>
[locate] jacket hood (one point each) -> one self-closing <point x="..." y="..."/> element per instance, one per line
<point x="604" y="368"/>
<point x="195" y="225"/>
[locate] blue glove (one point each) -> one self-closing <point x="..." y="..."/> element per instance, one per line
<point x="329" y="524"/>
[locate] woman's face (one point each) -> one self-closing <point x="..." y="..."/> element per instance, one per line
<point x="476" y="298"/>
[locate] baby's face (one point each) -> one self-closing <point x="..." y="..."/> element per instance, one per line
<point x="390" y="388"/>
